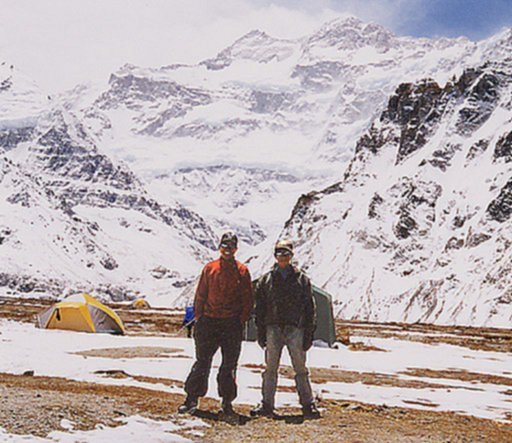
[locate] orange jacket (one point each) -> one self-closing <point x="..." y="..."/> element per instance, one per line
<point x="224" y="290"/>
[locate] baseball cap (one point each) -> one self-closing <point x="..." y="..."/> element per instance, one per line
<point x="229" y="240"/>
<point x="283" y="247"/>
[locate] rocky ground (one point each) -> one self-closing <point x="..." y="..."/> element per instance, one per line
<point x="38" y="405"/>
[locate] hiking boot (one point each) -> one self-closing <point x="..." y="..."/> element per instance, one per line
<point x="262" y="410"/>
<point x="310" y="411"/>
<point x="189" y="407"/>
<point x="227" y="409"/>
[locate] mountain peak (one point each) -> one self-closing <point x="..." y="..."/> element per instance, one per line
<point x="343" y="21"/>
<point x="349" y="32"/>
<point x="497" y="47"/>
<point x="255" y="34"/>
<point x="256" y="45"/>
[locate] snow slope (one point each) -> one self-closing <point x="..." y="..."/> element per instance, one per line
<point x="419" y="227"/>
<point x="240" y="136"/>
<point x="136" y="179"/>
<point x="26" y="345"/>
<point x="71" y="219"/>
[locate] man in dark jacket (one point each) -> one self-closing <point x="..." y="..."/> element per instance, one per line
<point x="285" y="316"/>
<point x="222" y="304"/>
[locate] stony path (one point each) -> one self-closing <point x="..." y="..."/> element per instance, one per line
<point x="37" y="405"/>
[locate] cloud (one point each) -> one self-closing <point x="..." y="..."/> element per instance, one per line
<point x="61" y="43"/>
<point x="392" y="14"/>
<point x="64" y="42"/>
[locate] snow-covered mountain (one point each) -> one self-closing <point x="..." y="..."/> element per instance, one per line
<point x="72" y="219"/>
<point x="149" y="168"/>
<point x="419" y="228"/>
<point x="240" y="136"/>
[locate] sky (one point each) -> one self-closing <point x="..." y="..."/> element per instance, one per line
<point x="474" y="19"/>
<point x="61" y="43"/>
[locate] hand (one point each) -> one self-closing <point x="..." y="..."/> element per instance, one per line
<point x="262" y="339"/>
<point x="307" y="340"/>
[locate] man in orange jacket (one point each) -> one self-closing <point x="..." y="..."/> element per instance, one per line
<point x="222" y="304"/>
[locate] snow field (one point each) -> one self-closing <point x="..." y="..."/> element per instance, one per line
<point x="26" y="348"/>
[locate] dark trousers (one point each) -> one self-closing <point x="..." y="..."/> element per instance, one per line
<point x="210" y="334"/>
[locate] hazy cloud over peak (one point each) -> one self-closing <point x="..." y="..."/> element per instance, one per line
<point x="64" y="42"/>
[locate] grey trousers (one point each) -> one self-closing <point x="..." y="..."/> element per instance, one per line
<point x="277" y="338"/>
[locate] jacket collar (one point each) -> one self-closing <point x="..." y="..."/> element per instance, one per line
<point x="232" y="263"/>
<point x="275" y="269"/>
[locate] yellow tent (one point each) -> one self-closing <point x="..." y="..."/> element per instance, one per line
<point x="81" y="313"/>
<point x="140" y="303"/>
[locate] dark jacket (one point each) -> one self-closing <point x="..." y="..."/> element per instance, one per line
<point x="287" y="301"/>
<point x="224" y="291"/>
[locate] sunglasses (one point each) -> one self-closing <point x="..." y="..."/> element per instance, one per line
<point x="282" y="253"/>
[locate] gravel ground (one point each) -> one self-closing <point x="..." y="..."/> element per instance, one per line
<point x="37" y="405"/>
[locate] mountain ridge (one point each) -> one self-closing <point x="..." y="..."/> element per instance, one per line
<point x="409" y="174"/>
<point x="165" y="158"/>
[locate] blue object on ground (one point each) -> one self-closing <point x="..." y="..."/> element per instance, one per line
<point x="189" y="314"/>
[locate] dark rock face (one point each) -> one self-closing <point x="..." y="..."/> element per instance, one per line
<point x="477" y="148"/>
<point x="10" y="138"/>
<point x="320" y="76"/>
<point x="6" y="84"/>
<point x="109" y="263"/>
<point x="194" y="226"/>
<point x="454" y="243"/>
<point x="28" y="284"/>
<point x="154" y="127"/>
<point x="416" y="210"/>
<point x="503" y="148"/>
<point x="481" y="91"/>
<point x="441" y="158"/>
<point x="59" y="153"/>
<point x="77" y="174"/>
<point x="269" y="102"/>
<point x="129" y="90"/>
<point x="500" y="209"/>
<point x="206" y="130"/>
<point x="374" y="139"/>
<point x="462" y="85"/>
<point x="458" y="221"/>
<point x="477" y="238"/>
<point x="415" y="108"/>
<point x="374" y="204"/>
<point x="301" y="212"/>
<point x="410" y="119"/>
<point x="405" y="224"/>
<point x="22" y="198"/>
<point x="5" y="233"/>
